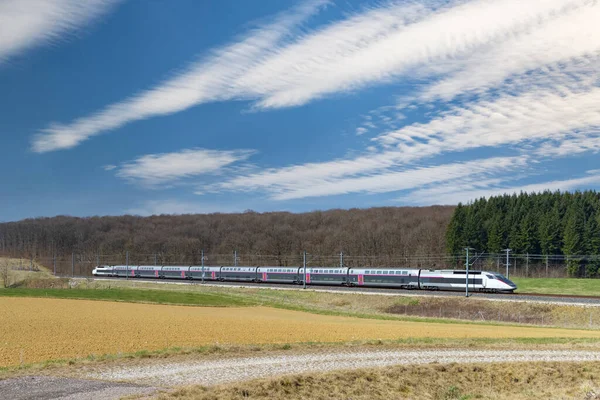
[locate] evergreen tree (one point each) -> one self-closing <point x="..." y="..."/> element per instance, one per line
<point x="474" y="233"/>
<point x="527" y="238"/>
<point x="592" y="245"/>
<point x="550" y="232"/>
<point x="495" y="235"/>
<point x="573" y="243"/>
<point x="454" y="234"/>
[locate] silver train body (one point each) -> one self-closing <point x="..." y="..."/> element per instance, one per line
<point x="404" y="278"/>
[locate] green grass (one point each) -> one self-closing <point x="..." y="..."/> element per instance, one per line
<point x="573" y="286"/>
<point x="133" y="295"/>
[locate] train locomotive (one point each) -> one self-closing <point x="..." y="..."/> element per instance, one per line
<point x="405" y="278"/>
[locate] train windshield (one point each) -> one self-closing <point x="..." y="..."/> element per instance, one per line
<point x="504" y="279"/>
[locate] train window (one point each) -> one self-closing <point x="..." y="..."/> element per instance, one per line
<point x="490" y="276"/>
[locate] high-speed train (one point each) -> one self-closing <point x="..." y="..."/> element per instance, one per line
<point x="404" y="278"/>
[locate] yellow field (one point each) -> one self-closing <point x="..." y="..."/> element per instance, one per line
<point x="34" y="330"/>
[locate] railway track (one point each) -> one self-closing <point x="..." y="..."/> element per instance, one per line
<point x="593" y="301"/>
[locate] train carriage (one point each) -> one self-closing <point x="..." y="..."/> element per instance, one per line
<point x="327" y="276"/>
<point x="210" y="273"/>
<point x="451" y="280"/>
<point x="279" y="274"/>
<point x="238" y="274"/>
<point x="124" y="270"/>
<point x="148" y="271"/>
<point x="402" y="278"/>
<point x="175" y="272"/>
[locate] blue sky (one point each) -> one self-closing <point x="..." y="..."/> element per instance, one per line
<point x="150" y="107"/>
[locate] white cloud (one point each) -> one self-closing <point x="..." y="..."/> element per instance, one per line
<point x="178" y="207"/>
<point x="453" y="192"/>
<point x="309" y="174"/>
<point x="28" y="23"/>
<point x="109" y="167"/>
<point x="301" y="182"/>
<point x="210" y="79"/>
<point x="559" y="39"/>
<point x="510" y="120"/>
<point x="165" y="168"/>
<point x="571" y="146"/>
<point x="382" y="43"/>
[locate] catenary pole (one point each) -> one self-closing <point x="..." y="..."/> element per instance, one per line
<point x="72" y="264"/>
<point x="127" y="265"/>
<point x="202" y="265"/>
<point x="507" y="261"/>
<point x="304" y="264"/>
<point x="467" y="274"/>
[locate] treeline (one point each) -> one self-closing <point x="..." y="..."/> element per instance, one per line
<point x="548" y="223"/>
<point x="390" y="231"/>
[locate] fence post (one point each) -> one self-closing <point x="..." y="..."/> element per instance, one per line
<point x="527" y="266"/>
<point x="546" y="266"/>
<point x="202" y="265"/>
<point x="304" y="264"/>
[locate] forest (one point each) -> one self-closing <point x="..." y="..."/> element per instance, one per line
<point x="547" y="223"/>
<point x="387" y="231"/>
<point x="559" y="226"/>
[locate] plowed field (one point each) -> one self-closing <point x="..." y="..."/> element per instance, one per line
<point x="39" y="329"/>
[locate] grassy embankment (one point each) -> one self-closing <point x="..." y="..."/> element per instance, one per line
<point x="570" y="286"/>
<point x="133" y="296"/>
<point x="408" y="308"/>
<point x="514" y="381"/>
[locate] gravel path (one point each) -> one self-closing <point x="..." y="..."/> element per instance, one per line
<point x="47" y="387"/>
<point x="240" y="369"/>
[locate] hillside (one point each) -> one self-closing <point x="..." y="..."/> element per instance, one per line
<point x="389" y="231"/>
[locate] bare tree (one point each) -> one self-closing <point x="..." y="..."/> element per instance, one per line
<point x="5" y="273"/>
